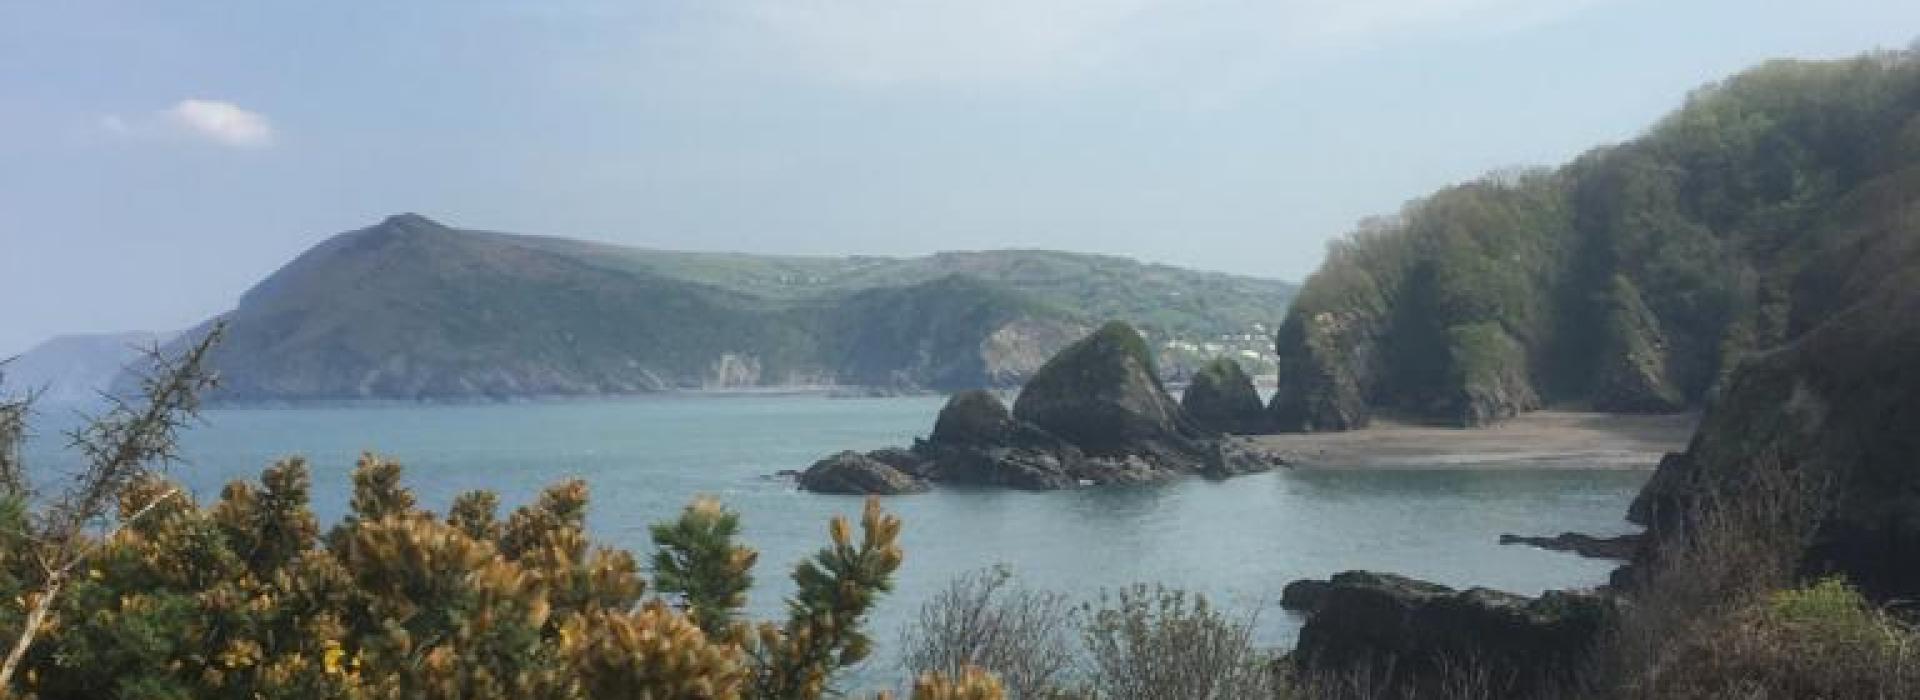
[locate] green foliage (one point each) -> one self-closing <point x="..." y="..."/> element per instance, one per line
<point x="697" y="558"/>
<point x="1712" y="217"/>
<point x="1821" y="640"/>
<point x="1084" y="364"/>
<point x="1145" y="643"/>
<point x="837" y="588"/>
<point x="1831" y="612"/>
<point x="240" y="599"/>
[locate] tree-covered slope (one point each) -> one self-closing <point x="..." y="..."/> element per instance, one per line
<point x="1632" y="279"/>
<point x="409" y="308"/>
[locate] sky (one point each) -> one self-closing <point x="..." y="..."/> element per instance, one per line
<point x="157" y="159"/>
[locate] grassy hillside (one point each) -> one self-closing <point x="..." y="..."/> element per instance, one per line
<point x="1169" y="301"/>
<point x="410" y="308"/>
<point x="1632" y="279"/>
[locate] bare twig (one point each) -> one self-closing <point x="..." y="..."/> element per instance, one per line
<point x="119" y="446"/>
<point x="13" y="433"/>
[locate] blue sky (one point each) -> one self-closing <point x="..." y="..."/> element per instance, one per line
<point x="157" y="158"/>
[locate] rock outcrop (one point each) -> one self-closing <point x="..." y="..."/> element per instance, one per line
<point x="1094" y="414"/>
<point x="851" y="472"/>
<point x="1633" y="376"/>
<point x="977" y="441"/>
<point x="1841" y="409"/>
<point x="1222" y="399"/>
<point x="1621" y="548"/>
<point x="1103" y="393"/>
<point x="1410" y="634"/>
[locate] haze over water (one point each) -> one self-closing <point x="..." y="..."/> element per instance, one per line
<point x="1239" y="541"/>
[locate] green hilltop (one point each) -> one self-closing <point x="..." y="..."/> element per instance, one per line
<point x="412" y="309"/>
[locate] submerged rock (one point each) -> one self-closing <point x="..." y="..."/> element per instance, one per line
<point x="1410" y="634"/>
<point x="850" y="472"/>
<point x="1222" y="399"/>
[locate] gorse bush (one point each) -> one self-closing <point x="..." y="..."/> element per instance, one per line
<point x="244" y="598"/>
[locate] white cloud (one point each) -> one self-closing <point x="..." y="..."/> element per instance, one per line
<point x="889" y="42"/>
<point x="217" y="121"/>
<point x="222" y="122"/>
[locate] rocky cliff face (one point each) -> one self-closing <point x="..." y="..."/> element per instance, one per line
<point x="1838" y="405"/>
<point x="1632" y="279"/>
<point x="1841" y="405"/>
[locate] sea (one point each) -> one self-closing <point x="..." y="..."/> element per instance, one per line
<point x="1237" y="541"/>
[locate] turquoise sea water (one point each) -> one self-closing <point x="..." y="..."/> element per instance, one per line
<point x="1239" y="541"/>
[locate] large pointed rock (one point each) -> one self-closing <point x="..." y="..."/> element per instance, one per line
<point x="1103" y="394"/>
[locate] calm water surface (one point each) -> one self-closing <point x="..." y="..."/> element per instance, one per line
<point x="1239" y="541"/>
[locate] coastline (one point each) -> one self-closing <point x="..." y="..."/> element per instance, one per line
<point x="1535" y="440"/>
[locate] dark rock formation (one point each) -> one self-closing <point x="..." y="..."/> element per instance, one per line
<point x="1304" y="595"/>
<point x="1411" y="634"/>
<point x="1222" y="399"/>
<point x="977" y="441"/>
<point x="850" y="472"/>
<point x="1622" y="547"/>
<point x="1104" y="394"/>
<point x="977" y="416"/>
<point x="1633" y="375"/>
<point x="1841" y="408"/>
<point x="1094" y="414"/>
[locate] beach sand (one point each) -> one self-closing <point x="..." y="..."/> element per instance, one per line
<point x="1537" y="440"/>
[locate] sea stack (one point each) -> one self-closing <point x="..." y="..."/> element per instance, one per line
<point x="1222" y="399"/>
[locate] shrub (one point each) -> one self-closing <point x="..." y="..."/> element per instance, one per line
<point x="1146" y="643"/>
<point x="1820" y="641"/>
<point x="981" y="621"/>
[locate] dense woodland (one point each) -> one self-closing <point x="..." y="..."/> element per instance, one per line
<point x="1632" y="279"/>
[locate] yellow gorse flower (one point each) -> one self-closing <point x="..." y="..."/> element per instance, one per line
<point x="330" y="657"/>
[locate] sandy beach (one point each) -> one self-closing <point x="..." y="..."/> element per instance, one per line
<point x="1538" y="440"/>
